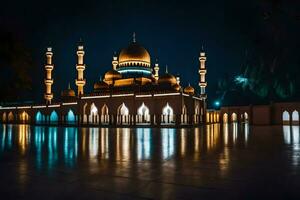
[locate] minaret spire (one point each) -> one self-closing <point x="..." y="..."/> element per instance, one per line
<point x="80" y="67"/>
<point x="167" y="69"/>
<point x="69" y="86"/>
<point x="134" y="37"/>
<point x="202" y="73"/>
<point x="48" y="96"/>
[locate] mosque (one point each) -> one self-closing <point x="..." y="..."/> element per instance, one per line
<point x="133" y="92"/>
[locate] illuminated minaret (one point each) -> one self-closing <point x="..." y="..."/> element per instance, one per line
<point x="48" y="96"/>
<point x="80" y="67"/>
<point x="115" y="62"/>
<point x="202" y="72"/>
<point x="156" y="70"/>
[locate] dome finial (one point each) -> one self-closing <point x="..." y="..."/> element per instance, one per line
<point x="134" y="37"/>
<point x="100" y="78"/>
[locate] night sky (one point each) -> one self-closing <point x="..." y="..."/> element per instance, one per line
<point x="172" y="32"/>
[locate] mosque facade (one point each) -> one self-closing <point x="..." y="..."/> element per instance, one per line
<point x="133" y="92"/>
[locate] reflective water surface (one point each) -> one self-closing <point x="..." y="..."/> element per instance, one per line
<point x="217" y="161"/>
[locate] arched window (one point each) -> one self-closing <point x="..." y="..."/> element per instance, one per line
<point x="39" y="118"/>
<point x="225" y="118"/>
<point x="234" y="117"/>
<point x="246" y="117"/>
<point x="24" y="117"/>
<point x="286" y="118"/>
<point x="93" y="114"/>
<point x="295" y="117"/>
<point x="123" y="114"/>
<point x="168" y="114"/>
<point x="70" y="117"/>
<point x="53" y="117"/>
<point x="4" y="117"/>
<point x="123" y="110"/>
<point x="143" y="114"/>
<point x="11" y="117"/>
<point x="104" y="114"/>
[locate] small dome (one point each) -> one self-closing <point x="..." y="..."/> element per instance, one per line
<point x="167" y="78"/>
<point x="134" y="55"/>
<point x="189" y="90"/>
<point x="176" y="87"/>
<point x="112" y="75"/>
<point x="68" y="93"/>
<point x="100" y="85"/>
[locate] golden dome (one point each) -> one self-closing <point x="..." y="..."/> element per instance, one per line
<point x="100" y="85"/>
<point x="167" y="78"/>
<point x="68" y="92"/>
<point x="189" y="90"/>
<point x="112" y="75"/>
<point x="134" y="55"/>
<point x="176" y="87"/>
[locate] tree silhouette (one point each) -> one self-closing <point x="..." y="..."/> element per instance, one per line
<point x="15" y="67"/>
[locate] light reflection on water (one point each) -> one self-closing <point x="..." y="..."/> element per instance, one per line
<point x="49" y="145"/>
<point x="292" y="137"/>
<point x="69" y="146"/>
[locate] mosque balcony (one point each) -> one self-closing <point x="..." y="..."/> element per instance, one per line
<point x="80" y="82"/>
<point x="202" y="71"/>
<point x="49" y="67"/>
<point x="80" y="67"/>
<point x="48" y="81"/>
<point x="48" y="96"/>
<point x="203" y="84"/>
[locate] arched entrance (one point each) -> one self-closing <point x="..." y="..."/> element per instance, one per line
<point x="143" y="114"/>
<point x="234" y="117"/>
<point x="24" y="117"/>
<point x="246" y="117"/>
<point x="4" y="117"/>
<point x="70" y="118"/>
<point x="53" y="117"/>
<point x="285" y="118"/>
<point x="10" y="117"/>
<point x="184" y="117"/>
<point x="225" y="118"/>
<point x="94" y="117"/>
<point x="168" y="115"/>
<point x="295" y="117"/>
<point x="39" y="118"/>
<point x="104" y="114"/>
<point x="123" y="114"/>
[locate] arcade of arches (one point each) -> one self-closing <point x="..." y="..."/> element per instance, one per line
<point x="102" y="115"/>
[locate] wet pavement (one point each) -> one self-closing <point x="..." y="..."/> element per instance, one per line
<point x="213" y="162"/>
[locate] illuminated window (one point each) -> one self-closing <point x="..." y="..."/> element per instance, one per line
<point x="295" y="116"/>
<point x="285" y="117"/>
<point x="124" y="110"/>
<point x="70" y="116"/>
<point x="53" y="116"/>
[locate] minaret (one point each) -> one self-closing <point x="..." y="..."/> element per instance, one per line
<point x="202" y="72"/>
<point x="80" y="67"/>
<point x="48" y="96"/>
<point x="156" y="70"/>
<point x="115" y="61"/>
